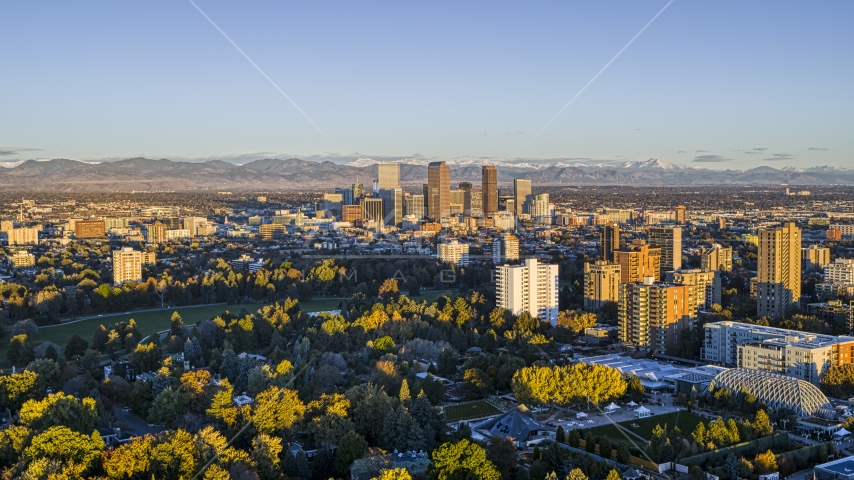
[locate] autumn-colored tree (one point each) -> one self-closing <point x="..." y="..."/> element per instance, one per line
<point x="389" y="289"/>
<point x="60" y="409"/>
<point x="66" y="446"/>
<point x="456" y="460"/>
<point x="393" y="474"/>
<point x="765" y="462"/>
<point x="276" y="410"/>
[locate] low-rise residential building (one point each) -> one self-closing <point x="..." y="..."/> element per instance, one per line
<point x="801" y="355"/>
<point x="841" y="271"/>
<point x="22" y="259"/>
<point x="454" y="252"/>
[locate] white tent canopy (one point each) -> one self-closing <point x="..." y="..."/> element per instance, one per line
<point x="632" y="404"/>
<point x="580" y="415"/>
<point x="612" y="408"/>
<point x="643" y="412"/>
<point x="842" y="432"/>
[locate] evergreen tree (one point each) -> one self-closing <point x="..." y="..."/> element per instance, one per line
<point x="605" y="447"/>
<point x="351" y="447"/>
<point x="589" y="443"/>
<point x="302" y="465"/>
<point x="623" y="454"/>
<point x="731" y="467"/>
<point x="401" y="432"/>
<point x="574" y="438"/>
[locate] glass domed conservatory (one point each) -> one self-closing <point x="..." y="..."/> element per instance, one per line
<point x="777" y="391"/>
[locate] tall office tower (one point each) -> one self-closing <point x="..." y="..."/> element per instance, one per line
<point x="465" y="186"/>
<point x="372" y="209"/>
<point x="609" y="241"/>
<point x="425" y="191"/>
<point x="651" y="316"/>
<point x="705" y="286"/>
<point x="458" y="197"/>
<point x="392" y="205"/>
<point x="721" y="223"/>
<point x="439" y="191"/>
<point x="155" y="233"/>
<point x="521" y="190"/>
<point x="601" y="284"/>
<point x="89" y="229"/>
<point x="680" y="215"/>
<point x="778" y="270"/>
<point x="453" y="252"/>
<point x="814" y="257"/>
<point x="638" y="261"/>
<point x="388" y="175"/>
<point x="127" y="266"/>
<point x="490" y="190"/>
<point x="669" y="240"/>
<point x="717" y="258"/>
<point x="538" y="205"/>
<point x="346" y="195"/>
<point x="505" y="247"/>
<point x="530" y="287"/>
<point x="413" y="204"/>
<point x="473" y="202"/>
<point x="358" y="192"/>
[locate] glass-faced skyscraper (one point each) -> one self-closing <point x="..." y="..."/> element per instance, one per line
<point x="521" y="190"/>
<point x="388" y="175"/>
<point x="438" y="191"/>
<point x="490" y="190"/>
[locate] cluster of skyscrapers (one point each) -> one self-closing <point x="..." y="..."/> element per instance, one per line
<point x="656" y="298"/>
<point x="387" y="204"/>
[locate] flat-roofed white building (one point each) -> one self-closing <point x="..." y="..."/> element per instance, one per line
<point x="531" y="287"/>
<point x="454" y="252"/>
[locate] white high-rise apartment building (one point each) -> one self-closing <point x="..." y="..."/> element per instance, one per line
<point x="531" y="287"/>
<point x="539" y="206"/>
<point x="127" y="266"/>
<point x="841" y="271"/>
<point x="454" y="252"/>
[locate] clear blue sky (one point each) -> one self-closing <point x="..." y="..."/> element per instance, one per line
<point x="710" y="79"/>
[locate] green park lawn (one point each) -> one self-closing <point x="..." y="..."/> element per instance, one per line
<point x="686" y="422"/>
<point x="152" y="321"/>
<point x="468" y="410"/>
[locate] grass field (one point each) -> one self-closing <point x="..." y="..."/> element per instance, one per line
<point x="153" y="320"/>
<point x="686" y="422"/>
<point x="465" y="411"/>
<point x="432" y="295"/>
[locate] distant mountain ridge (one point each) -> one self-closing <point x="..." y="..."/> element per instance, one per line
<point x="144" y="174"/>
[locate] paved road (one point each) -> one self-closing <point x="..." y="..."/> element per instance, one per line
<point x="131" y="312"/>
<point x="136" y="425"/>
